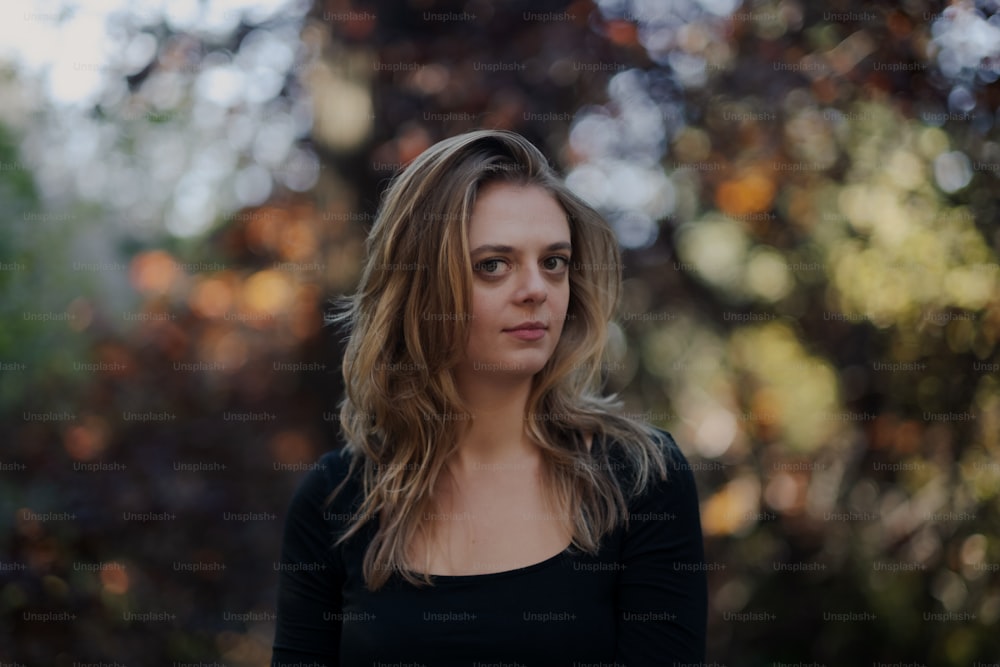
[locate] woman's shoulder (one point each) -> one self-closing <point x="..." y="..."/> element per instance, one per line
<point x="665" y="447"/>
<point x="333" y="471"/>
<point x="667" y="507"/>
<point x="331" y="468"/>
<point x="627" y="458"/>
<point x="336" y="463"/>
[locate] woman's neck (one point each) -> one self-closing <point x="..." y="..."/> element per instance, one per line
<point x="496" y="434"/>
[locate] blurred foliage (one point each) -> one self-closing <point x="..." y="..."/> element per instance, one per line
<point x="806" y="196"/>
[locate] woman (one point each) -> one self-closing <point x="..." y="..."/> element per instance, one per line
<point x="489" y="506"/>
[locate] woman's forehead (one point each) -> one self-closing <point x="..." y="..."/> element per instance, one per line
<point x="507" y="211"/>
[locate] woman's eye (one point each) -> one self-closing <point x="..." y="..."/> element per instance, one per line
<point x="489" y="266"/>
<point x="556" y="262"/>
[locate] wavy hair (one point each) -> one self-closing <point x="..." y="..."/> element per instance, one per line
<point x="401" y="416"/>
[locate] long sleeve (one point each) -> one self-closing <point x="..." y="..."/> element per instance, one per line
<point x="662" y="596"/>
<point x="311" y="576"/>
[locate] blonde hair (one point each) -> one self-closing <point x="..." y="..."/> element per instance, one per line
<point x="408" y="326"/>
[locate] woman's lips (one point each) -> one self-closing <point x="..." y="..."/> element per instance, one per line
<point x="526" y="334"/>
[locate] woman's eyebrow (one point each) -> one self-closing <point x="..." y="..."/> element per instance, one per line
<point x="492" y="247"/>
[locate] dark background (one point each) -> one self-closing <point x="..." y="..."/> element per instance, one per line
<point x="806" y="198"/>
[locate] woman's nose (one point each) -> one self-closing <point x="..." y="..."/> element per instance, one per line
<point x="531" y="284"/>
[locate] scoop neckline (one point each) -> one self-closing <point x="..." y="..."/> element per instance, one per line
<point x="551" y="560"/>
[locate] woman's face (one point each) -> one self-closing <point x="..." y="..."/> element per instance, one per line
<point x="519" y="240"/>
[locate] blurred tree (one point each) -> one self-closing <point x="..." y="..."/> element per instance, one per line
<point x="806" y="198"/>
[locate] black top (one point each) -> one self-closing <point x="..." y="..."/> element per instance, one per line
<point x="641" y="601"/>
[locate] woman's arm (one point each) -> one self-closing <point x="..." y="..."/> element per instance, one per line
<point x="310" y="578"/>
<point x="663" y="595"/>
